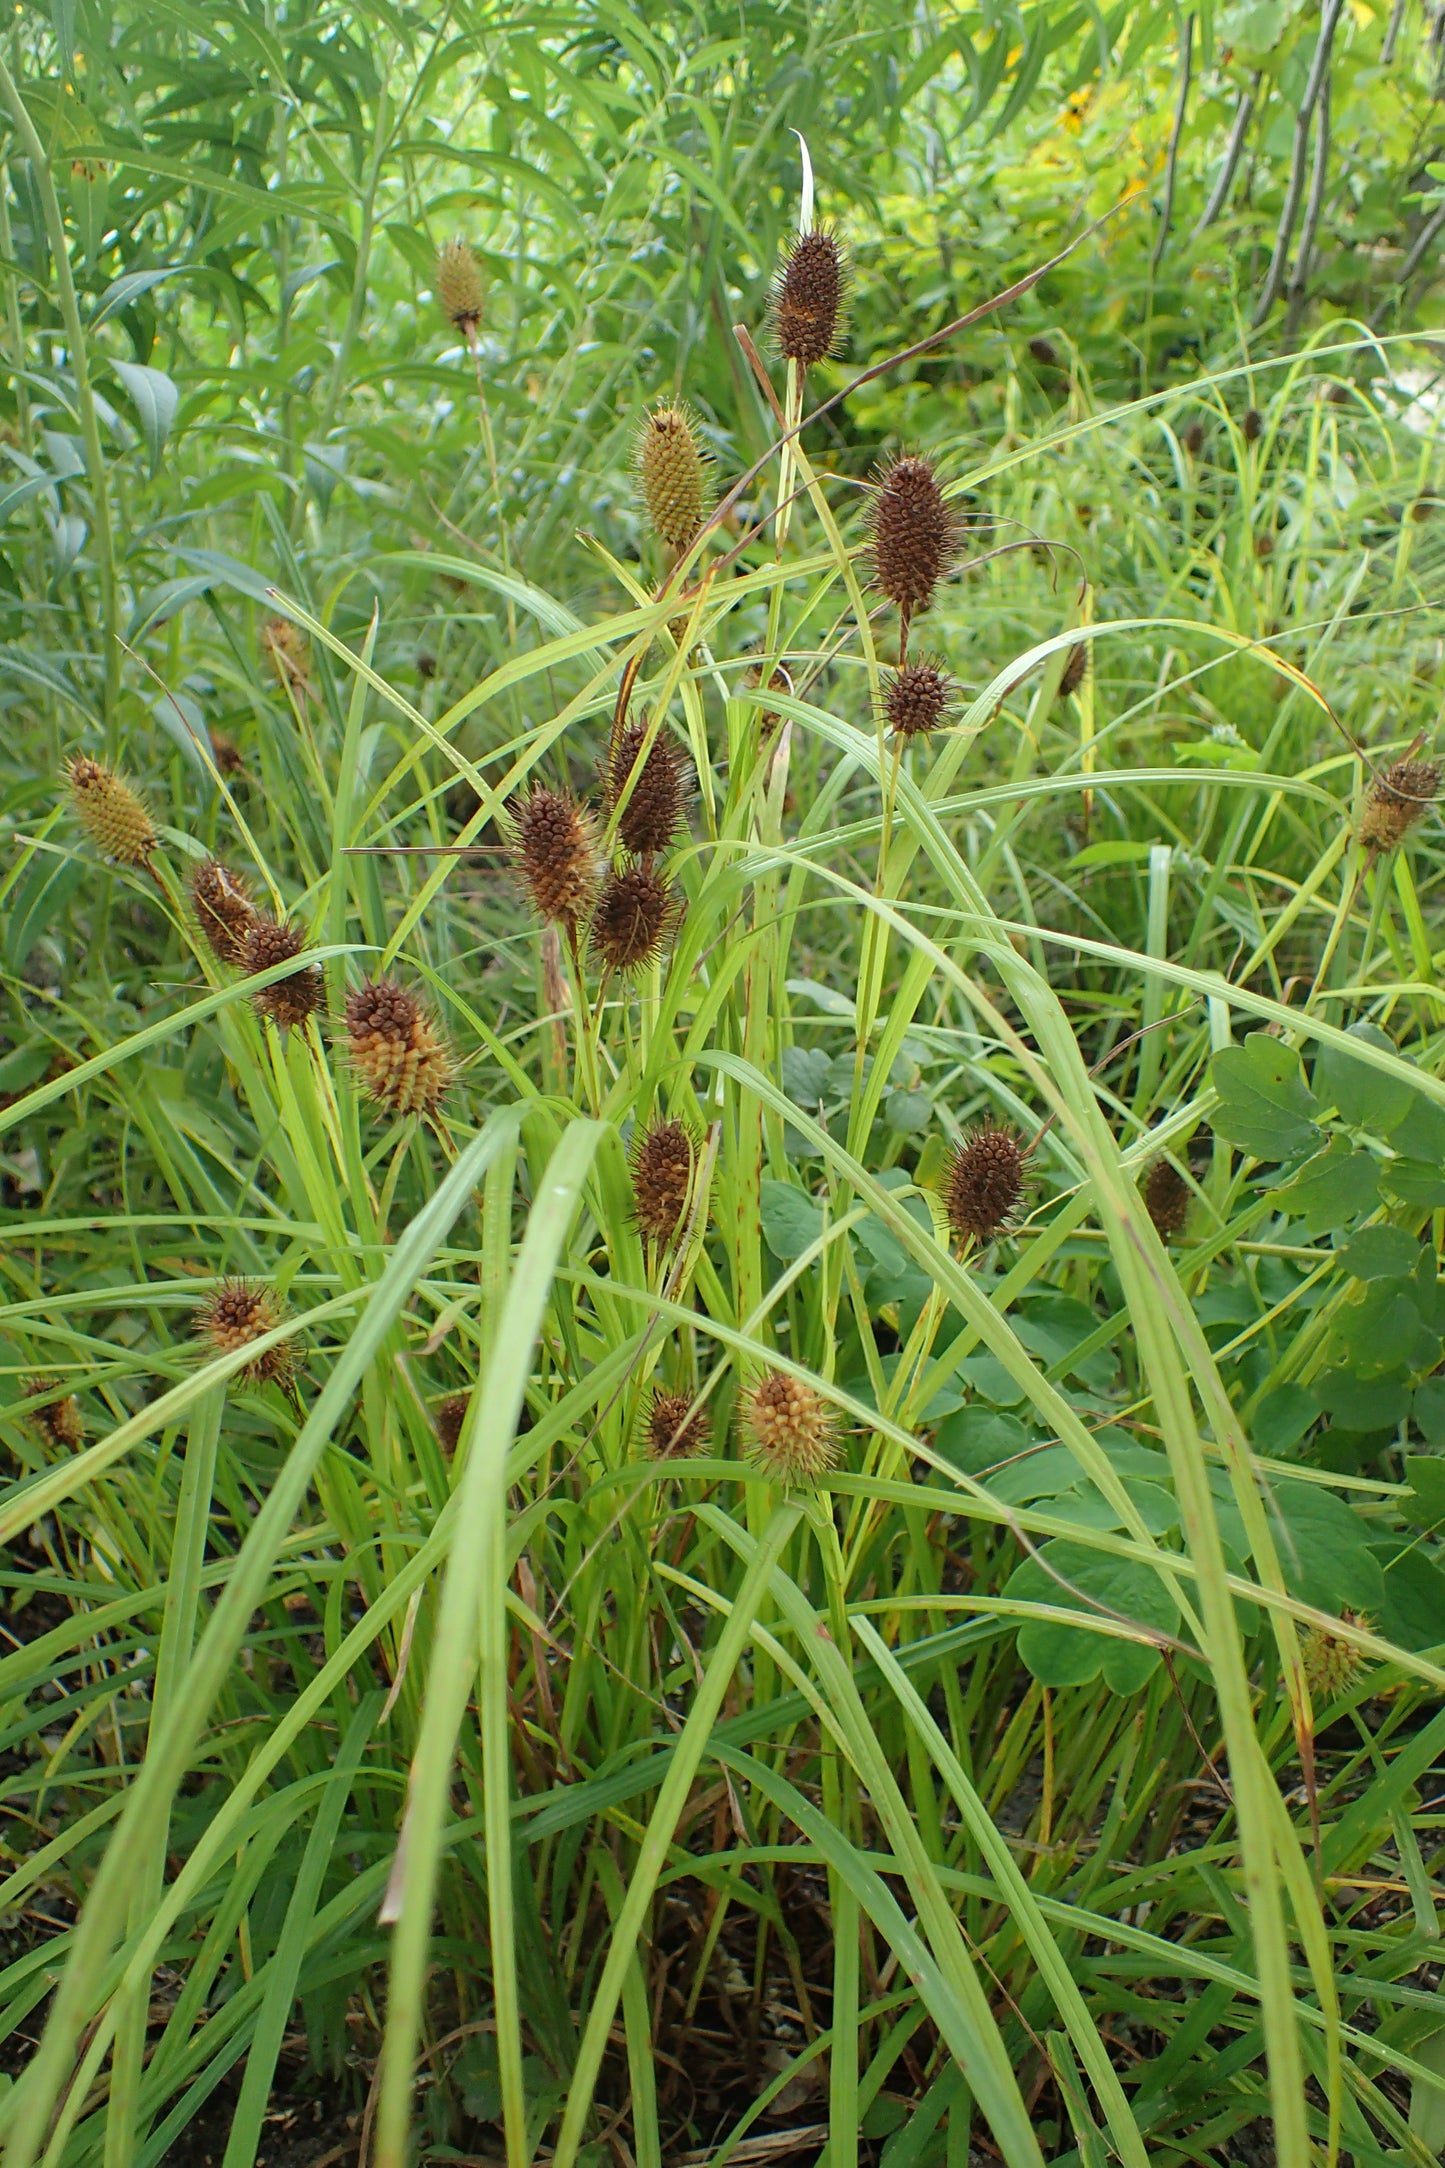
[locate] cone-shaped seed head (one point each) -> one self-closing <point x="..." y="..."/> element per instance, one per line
<point x="915" y="537"/>
<point x="290" y="1000"/>
<point x="556" y="854"/>
<point x="401" y="1059"/>
<point x="1076" y="669"/>
<point x="983" y="1185"/>
<point x="917" y="699"/>
<point x="460" y="290"/>
<point x="226" y="753"/>
<point x="1252" y="425"/>
<point x="807" y="303"/>
<point x="653" y="813"/>
<point x="1397" y="799"/>
<point x="663" y="1158"/>
<point x="224" y="910"/>
<point x="239" y="1312"/>
<point x="59" y="1422"/>
<point x="1166" y="1198"/>
<point x="792" y="1431"/>
<point x="634" y="920"/>
<point x="110" y="812"/>
<point x="1044" y="350"/>
<point x="675" y="1428"/>
<point x="1332" y="1665"/>
<point x="674" y="475"/>
<point x="449" y="1417"/>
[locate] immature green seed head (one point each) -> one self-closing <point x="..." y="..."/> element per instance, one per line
<point x="460" y="290"/>
<point x="401" y="1058"/>
<point x="792" y="1430"/>
<point x="110" y="812"/>
<point x="1332" y="1664"/>
<point x="673" y="473"/>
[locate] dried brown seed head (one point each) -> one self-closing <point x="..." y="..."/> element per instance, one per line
<point x="401" y="1059"/>
<point x="224" y="911"/>
<point x="449" y="1417"/>
<point x="556" y="854"/>
<point x="111" y="813"/>
<point x="983" y="1185"/>
<point x="915" y="535"/>
<point x="663" y="1159"/>
<point x="791" y="1429"/>
<point x="675" y="1428"/>
<point x="459" y="287"/>
<point x="1193" y="439"/>
<point x="238" y="1312"/>
<point x="1166" y="1198"/>
<point x="917" y="699"/>
<point x="807" y="300"/>
<point x="59" y="1421"/>
<point x="653" y="813"/>
<point x="1044" y="350"/>
<point x="226" y="754"/>
<point x="1075" y="670"/>
<point x="1397" y="799"/>
<point x="674" y="474"/>
<point x="635" y="919"/>
<point x="1252" y="425"/>
<point x="285" y="648"/>
<point x="292" y="999"/>
<point x="1331" y="1664"/>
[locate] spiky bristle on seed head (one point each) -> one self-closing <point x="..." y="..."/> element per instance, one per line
<point x="449" y="1416"/>
<point x="664" y="1157"/>
<point x="675" y="1428"/>
<point x="634" y="920"/>
<point x="555" y="850"/>
<point x="290" y="1000"/>
<point x="59" y="1419"/>
<point x="674" y="474"/>
<point x="653" y="813"/>
<point x="238" y="1312"/>
<point x="1398" y="798"/>
<point x="792" y="1431"/>
<point x="459" y="287"/>
<point x="224" y="911"/>
<point x="915" y="535"/>
<point x="1332" y="1664"/>
<point x="806" y="308"/>
<point x="401" y="1059"/>
<point x="1166" y="1198"/>
<point x="918" y="699"/>
<point x="110" y="811"/>
<point x="983" y="1185"/>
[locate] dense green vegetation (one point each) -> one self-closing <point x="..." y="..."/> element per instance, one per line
<point x="787" y="1508"/>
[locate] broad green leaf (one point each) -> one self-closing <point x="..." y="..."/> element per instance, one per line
<point x="1363" y="1097"/>
<point x="1060" y="1655"/>
<point x="1265" y="1106"/>
<point x="1331" y="1189"/>
<point x="792" y="1220"/>
<point x="129" y="287"/>
<point x="155" y="399"/>
<point x="1425" y="1505"/>
<point x="1282" y="1418"/>
<point x="1324" y="1549"/>
<point x="1379" y="1253"/>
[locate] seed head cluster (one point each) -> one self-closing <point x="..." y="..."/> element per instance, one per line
<point x="675" y="1428"/>
<point x="1252" y="425"/>
<point x="59" y="1421"/>
<point x="653" y="813"/>
<point x="224" y="911"/>
<point x="915" y="536"/>
<point x="556" y="854"/>
<point x="239" y="1312"/>
<point x="983" y="1184"/>
<point x="1398" y="798"/>
<point x="635" y="918"/>
<point x="792" y="1431"/>
<point x="285" y="648"/>
<point x="917" y="699"/>
<point x="401" y="1059"/>
<point x="450" y="1415"/>
<point x="663" y="1158"/>
<point x="807" y="302"/>
<point x="111" y="813"/>
<point x="459" y="287"/>
<point x="1166" y="1198"/>
<point x="673" y="473"/>
<point x="1332" y="1664"/>
<point x="1075" y="670"/>
<point x="300" y="994"/>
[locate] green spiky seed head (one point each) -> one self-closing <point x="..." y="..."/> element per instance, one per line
<point x="673" y="473"/>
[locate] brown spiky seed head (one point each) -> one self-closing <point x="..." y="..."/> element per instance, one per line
<point x="673" y="472"/>
<point x="1331" y="1664"/>
<point x="983" y="1184"/>
<point x="917" y="699"/>
<point x="284" y="646"/>
<point x="1166" y="1198"/>
<point x="915" y="536"/>
<point x="1044" y="351"/>
<point x="635" y="919"/>
<point x="1193" y="439"/>
<point x="663" y="1158"/>
<point x="556" y="854"/>
<point x="807" y="300"/>
<point x="1397" y="799"/>
<point x="112" y="815"/>
<point x="675" y="1428"/>
<point x="292" y="999"/>
<point x="402" y="1060"/>
<point x="1075" y="670"/>
<point x="449" y="1417"/>
<point x="1252" y="425"/>
<point x="792" y="1431"/>
<point x="459" y="287"/>
<point x="238" y="1312"/>
<point x="652" y="815"/>
<point x="226" y="754"/>
<point x="224" y="911"/>
<point x="59" y="1421"/>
